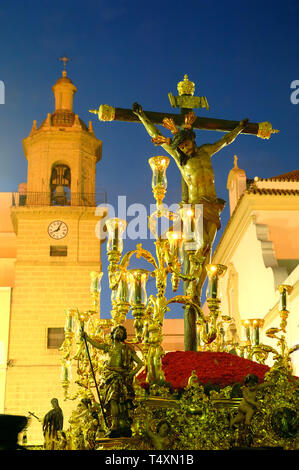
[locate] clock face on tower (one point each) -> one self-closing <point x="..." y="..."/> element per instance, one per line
<point x="57" y="229"/>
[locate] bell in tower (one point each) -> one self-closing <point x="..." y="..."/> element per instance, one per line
<point x="60" y="185"/>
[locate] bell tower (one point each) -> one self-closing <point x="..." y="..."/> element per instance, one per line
<point x="62" y="153"/>
<point x="54" y="218"/>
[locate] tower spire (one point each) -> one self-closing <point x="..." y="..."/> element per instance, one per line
<point x="64" y="89"/>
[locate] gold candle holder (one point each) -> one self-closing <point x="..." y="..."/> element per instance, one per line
<point x="66" y="376"/>
<point x="174" y="257"/>
<point x="95" y="288"/>
<point x="66" y="372"/>
<point x="175" y="243"/>
<point x="69" y="324"/>
<point x="248" y="334"/>
<point x="191" y="216"/>
<point x="122" y="293"/>
<point x="284" y="290"/>
<point x="256" y="323"/>
<point x="138" y="298"/>
<point x="159" y="165"/>
<point x="214" y="271"/>
<point x="123" y="288"/>
<point x="116" y="228"/>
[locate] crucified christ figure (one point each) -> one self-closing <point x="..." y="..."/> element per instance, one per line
<point x="196" y="169"/>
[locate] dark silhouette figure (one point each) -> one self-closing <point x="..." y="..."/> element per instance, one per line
<point x="10" y="427"/>
<point x="53" y="422"/>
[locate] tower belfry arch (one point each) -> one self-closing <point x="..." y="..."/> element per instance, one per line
<point x="60" y="183"/>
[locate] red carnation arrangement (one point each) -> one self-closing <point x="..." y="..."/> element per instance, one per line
<point x="217" y="368"/>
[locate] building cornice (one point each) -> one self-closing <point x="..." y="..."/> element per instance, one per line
<point x="67" y="212"/>
<point x="96" y="264"/>
<point x="249" y="203"/>
<point x="56" y="135"/>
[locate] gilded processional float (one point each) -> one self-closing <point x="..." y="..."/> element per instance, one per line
<point x="217" y="394"/>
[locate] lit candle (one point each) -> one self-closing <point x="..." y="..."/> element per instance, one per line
<point x="246" y="324"/>
<point x="116" y="228"/>
<point x="256" y="330"/>
<point x="69" y="322"/>
<point x="175" y="242"/>
<point x="187" y="215"/>
<point x="137" y="285"/>
<point x="122" y="293"/>
<point x="65" y="373"/>
<point x="212" y="271"/>
<point x="114" y="239"/>
<point x="257" y="335"/>
<point x="138" y="278"/>
<point x="283" y="299"/>
<point x="257" y="324"/>
<point x="95" y="285"/>
<point x="248" y="333"/>
<point x="159" y="177"/>
<point x="214" y="287"/>
<point x="159" y="166"/>
<point x="284" y="290"/>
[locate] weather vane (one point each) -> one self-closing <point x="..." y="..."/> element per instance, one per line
<point x="64" y="59"/>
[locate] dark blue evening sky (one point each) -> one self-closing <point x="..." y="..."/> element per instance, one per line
<point x="242" y="56"/>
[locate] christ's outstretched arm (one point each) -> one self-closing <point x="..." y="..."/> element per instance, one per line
<point x="154" y="132"/>
<point x="211" y="149"/>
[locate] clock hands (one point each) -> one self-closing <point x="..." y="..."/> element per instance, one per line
<point x="58" y="227"/>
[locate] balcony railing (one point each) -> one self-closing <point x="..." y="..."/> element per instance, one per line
<point x="48" y="199"/>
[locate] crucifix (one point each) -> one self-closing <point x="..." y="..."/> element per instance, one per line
<point x="194" y="163"/>
<point x="64" y="59"/>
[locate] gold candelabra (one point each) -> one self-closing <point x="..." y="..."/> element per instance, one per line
<point x="128" y="292"/>
<point x="282" y="353"/>
<point x="128" y="287"/>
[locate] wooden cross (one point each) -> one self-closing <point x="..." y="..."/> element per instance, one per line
<point x="185" y="102"/>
